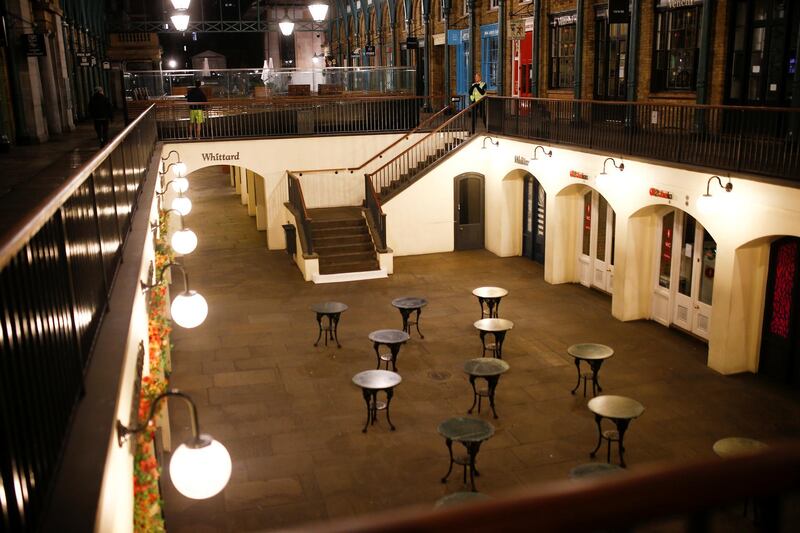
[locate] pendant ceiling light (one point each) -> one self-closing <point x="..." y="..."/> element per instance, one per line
<point x="286" y="25"/>
<point x="180" y="20"/>
<point x="181" y="4"/>
<point x="318" y="11"/>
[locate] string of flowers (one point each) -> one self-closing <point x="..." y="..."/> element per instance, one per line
<point x="147" y="515"/>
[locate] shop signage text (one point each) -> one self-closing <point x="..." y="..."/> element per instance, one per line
<point x="579" y="175"/>
<point x="208" y="156"/>
<point x="518" y="159"/>
<point x="658" y="193"/>
<point x="516" y="29"/>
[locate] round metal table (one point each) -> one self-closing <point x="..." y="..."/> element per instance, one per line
<point x="407" y="306"/>
<point x="498" y="328"/>
<point x="371" y="382"/>
<point x="471" y="433"/>
<point x="392" y="339"/>
<point x="490" y="370"/>
<point x="489" y="300"/>
<point x="736" y="446"/>
<point x="332" y="311"/>
<point x="620" y="410"/>
<point x="594" y="355"/>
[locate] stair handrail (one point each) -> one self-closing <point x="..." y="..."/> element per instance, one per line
<point x="437" y="130"/>
<point x="373" y="205"/>
<point x="297" y="201"/>
<point x="380" y="154"/>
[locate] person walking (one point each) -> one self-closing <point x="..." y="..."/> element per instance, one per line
<point x="476" y="93"/>
<point x="195" y="94"/>
<point x="101" y="110"/>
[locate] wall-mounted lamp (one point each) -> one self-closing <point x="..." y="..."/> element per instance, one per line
<point x="706" y="202"/>
<point x="180" y="167"/>
<point x="181" y="204"/>
<point x="200" y="467"/>
<point x="179" y="185"/>
<point x="189" y="309"/>
<point x="493" y="142"/>
<point x="602" y="180"/>
<point x="545" y="152"/>
<point x="183" y="241"/>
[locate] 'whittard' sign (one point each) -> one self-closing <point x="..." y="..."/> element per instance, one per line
<point x="220" y="157"/>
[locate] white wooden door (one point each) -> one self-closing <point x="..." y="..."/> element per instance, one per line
<point x="662" y="292"/>
<point x="585" y="239"/>
<point x="603" y="244"/>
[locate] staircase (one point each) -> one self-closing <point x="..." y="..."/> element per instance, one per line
<point x="342" y="240"/>
<point x="407" y="167"/>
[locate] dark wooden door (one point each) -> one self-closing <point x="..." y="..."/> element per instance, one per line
<point x="468" y="212"/>
<point x="533" y="220"/>
<point x="780" y="338"/>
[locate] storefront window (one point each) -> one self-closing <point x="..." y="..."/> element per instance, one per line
<point x="587" y="223"/>
<point x="562" y="51"/>
<point x="490" y="44"/>
<point x="677" y="34"/>
<point x="665" y="257"/>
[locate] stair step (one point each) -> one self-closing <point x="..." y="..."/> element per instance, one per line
<point x="346" y="257"/>
<point x="343" y="240"/>
<point x="355" y="266"/>
<point x="348" y="231"/>
<point x="341" y="223"/>
<point x="325" y="250"/>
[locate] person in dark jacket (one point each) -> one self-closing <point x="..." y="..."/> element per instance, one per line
<point x="195" y="94"/>
<point x="101" y="110"/>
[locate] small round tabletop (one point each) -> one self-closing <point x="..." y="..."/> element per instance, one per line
<point x="409" y="302"/>
<point x="389" y="336"/>
<point x="485" y="367"/>
<point x="618" y="407"/>
<point x="329" y="308"/>
<point x="493" y="324"/>
<point x="457" y="498"/>
<point x="734" y="446"/>
<point x="490" y="292"/>
<point x="377" y="379"/>
<point x="590" y="350"/>
<point x="593" y="470"/>
<point x="463" y="429"/>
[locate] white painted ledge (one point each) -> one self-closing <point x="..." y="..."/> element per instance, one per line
<point x="349" y="276"/>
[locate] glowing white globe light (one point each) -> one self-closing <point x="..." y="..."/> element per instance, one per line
<point x="318" y="11"/>
<point x="179" y="169"/>
<point x="182" y="205"/>
<point x="180" y="185"/>
<point x="172" y="63"/>
<point x="189" y="309"/>
<point x="200" y="473"/>
<point x="287" y="27"/>
<point x="184" y="241"/>
<point x="181" y="22"/>
<point x="706" y="204"/>
<point x="181" y="4"/>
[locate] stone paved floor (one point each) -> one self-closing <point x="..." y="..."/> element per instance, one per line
<point x="292" y="420"/>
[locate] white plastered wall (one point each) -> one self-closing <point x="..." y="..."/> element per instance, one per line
<point x="420" y="221"/>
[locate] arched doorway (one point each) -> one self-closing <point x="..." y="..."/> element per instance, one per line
<point x="468" y="211"/>
<point x="780" y="337"/>
<point x="684" y="283"/>
<point x="534" y="211"/>
<point x="596" y="242"/>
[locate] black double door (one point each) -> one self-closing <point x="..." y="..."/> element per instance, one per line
<point x="780" y="337"/>
<point x="533" y="219"/>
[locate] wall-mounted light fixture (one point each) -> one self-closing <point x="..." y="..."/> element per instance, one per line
<point x="183" y="241"/>
<point x="200" y="467"/>
<point x="179" y="166"/>
<point x="706" y="203"/>
<point x="602" y="180"/>
<point x="545" y="152"/>
<point x="492" y="141"/>
<point x="179" y="185"/>
<point x="189" y="309"/>
<point x="181" y="204"/>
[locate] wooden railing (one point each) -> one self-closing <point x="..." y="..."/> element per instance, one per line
<point x="756" y="140"/>
<point x="298" y="204"/>
<point x="58" y="265"/>
<point x="377" y="215"/>
<point x="425" y="151"/>
<point x="686" y="497"/>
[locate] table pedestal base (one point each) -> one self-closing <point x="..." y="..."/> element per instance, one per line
<point x="374" y="405"/>
<point x="408" y="322"/>
<point x="468" y="461"/>
<point x="330" y="331"/>
<point x="611" y="436"/>
<point x="479" y="394"/>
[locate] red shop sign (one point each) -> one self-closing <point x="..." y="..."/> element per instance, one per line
<point x="658" y="193"/>
<point x="579" y="175"/>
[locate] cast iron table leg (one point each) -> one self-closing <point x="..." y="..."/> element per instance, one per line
<point x="495" y="302"/>
<point x="368" y="400"/>
<point x="395" y="349"/>
<point x="449" y="444"/>
<point x="577" y="366"/>
<point x="474" y="396"/>
<point x="389" y="394"/>
<point x="483" y="342"/>
<point x="472" y="452"/>
<point x="333" y="321"/>
<point x="405" y="313"/>
<point x="598" y="419"/>
<point x="622" y="427"/>
<point x="499" y="337"/>
<point x="492" y="384"/>
<point x="421" y="336"/>
<point x="377" y="345"/>
<point x="596" y="370"/>
<point x="481" y="302"/>
<point x="319" y="336"/>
